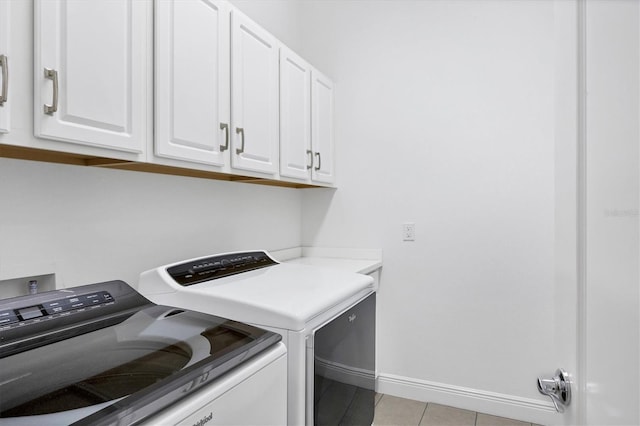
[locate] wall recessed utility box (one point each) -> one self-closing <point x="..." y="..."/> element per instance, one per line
<point x="20" y="286"/>
<point x="14" y="278"/>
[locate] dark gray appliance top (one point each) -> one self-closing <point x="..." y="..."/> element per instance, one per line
<point x="103" y="354"/>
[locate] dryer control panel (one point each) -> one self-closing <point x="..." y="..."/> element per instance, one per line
<point x="219" y="266"/>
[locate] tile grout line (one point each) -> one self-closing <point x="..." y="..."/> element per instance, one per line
<point x="426" y="404"/>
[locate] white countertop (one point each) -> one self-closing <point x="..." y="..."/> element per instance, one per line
<point x="363" y="261"/>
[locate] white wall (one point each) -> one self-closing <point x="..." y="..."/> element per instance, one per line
<point x="445" y="118"/>
<point x="96" y="225"/>
<point x="280" y="17"/>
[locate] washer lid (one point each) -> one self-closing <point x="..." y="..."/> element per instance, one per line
<point x="285" y="296"/>
<point x="122" y="366"/>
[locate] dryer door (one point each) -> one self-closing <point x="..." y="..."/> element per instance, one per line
<point x="344" y="367"/>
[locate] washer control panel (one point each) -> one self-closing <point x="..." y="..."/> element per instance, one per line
<point x="19" y="316"/>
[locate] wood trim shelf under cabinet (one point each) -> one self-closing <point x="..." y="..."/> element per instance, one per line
<point x="35" y="154"/>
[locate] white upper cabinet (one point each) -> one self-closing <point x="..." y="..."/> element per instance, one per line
<point x="194" y="84"/>
<point x="5" y="116"/>
<point x="296" y="156"/>
<point x="322" y="128"/>
<point x="306" y="121"/>
<point x="254" y="96"/>
<point x="91" y="71"/>
<point x="192" y="106"/>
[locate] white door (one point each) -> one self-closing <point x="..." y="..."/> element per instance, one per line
<point x="322" y="127"/>
<point x="296" y="157"/>
<point x="90" y="72"/>
<point x="254" y="96"/>
<point x="5" y="116"/>
<point x="597" y="190"/>
<point x="192" y="80"/>
<point x="611" y="303"/>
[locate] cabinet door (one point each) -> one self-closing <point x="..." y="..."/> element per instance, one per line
<point x="322" y="128"/>
<point x="4" y="67"/>
<point x="95" y="90"/>
<point x="296" y="157"/>
<point x="192" y="80"/>
<point x="254" y="96"/>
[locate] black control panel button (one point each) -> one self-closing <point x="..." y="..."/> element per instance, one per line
<point x="56" y="306"/>
<point x="77" y="302"/>
<point x="8" y="317"/>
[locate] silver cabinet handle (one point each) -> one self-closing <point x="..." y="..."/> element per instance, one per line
<point x="240" y="131"/>
<point x="52" y="75"/>
<point x="5" y="79"/>
<point x="310" y="154"/>
<point x="319" y="166"/>
<point x="225" y="127"/>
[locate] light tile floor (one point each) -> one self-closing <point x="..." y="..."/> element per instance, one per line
<point x="391" y="410"/>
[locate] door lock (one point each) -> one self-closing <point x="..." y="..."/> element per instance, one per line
<point x="558" y="388"/>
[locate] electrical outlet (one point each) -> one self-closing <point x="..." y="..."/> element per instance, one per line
<point x="408" y="232"/>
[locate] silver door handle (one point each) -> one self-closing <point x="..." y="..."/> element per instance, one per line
<point x="52" y="75"/>
<point x="310" y="154"/>
<point x="240" y="131"/>
<point x="225" y="127"/>
<point x="5" y="78"/>
<point x="558" y="388"/>
<point x="319" y="166"/>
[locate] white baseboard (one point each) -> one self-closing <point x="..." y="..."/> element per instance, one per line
<point x="497" y="404"/>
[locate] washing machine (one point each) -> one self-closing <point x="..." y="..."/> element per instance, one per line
<point x="326" y="318"/>
<point x="102" y="354"/>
